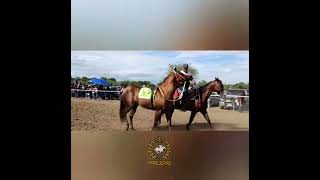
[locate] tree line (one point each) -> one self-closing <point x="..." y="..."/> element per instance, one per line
<point x="240" y="85"/>
<point x="192" y="70"/>
<point x="85" y="80"/>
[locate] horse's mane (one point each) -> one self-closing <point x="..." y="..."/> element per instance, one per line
<point x="165" y="79"/>
<point x="204" y="86"/>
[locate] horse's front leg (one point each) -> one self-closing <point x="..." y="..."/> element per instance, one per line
<point x="193" y="114"/>
<point x="157" y="117"/>
<point x="168" y="116"/>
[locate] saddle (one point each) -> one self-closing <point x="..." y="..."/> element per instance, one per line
<point x="192" y="96"/>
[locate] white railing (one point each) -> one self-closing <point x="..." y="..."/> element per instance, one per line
<point x="242" y="105"/>
<point x="106" y="94"/>
<point x="231" y="102"/>
<point x="84" y="90"/>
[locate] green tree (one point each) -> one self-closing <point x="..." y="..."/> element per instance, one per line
<point x="241" y="85"/>
<point x="72" y="80"/>
<point x="227" y="86"/>
<point x="137" y="83"/>
<point x="201" y="83"/>
<point x="113" y="81"/>
<point x="124" y="83"/>
<point x="104" y="78"/>
<point x="84" y="80"/>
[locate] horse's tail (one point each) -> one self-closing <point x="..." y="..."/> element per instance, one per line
<point x="122" y="111"/>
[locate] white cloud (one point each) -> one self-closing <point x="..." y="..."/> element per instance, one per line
<point x="136" y="65"/>
<point x="193" y="54"/>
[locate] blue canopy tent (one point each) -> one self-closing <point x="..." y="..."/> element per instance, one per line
<point x="99" y="82"/>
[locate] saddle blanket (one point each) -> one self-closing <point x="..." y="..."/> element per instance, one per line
<point x="145" y="93"/>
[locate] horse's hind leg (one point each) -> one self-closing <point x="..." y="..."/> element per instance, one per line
<point x="124" y="109"/>
<point x="206" y="116"/>
<point x="125" y="118"/>
<point x="131" y="114"/>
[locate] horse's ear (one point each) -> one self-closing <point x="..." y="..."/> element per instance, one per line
<point x="175" y="69"/>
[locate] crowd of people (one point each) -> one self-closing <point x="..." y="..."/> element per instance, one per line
<point x="79" y="90"/>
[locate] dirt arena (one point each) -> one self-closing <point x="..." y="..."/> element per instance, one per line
<point x="102" y="115"/>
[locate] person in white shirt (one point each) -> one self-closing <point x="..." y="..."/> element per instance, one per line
<point x="95" y="92"/>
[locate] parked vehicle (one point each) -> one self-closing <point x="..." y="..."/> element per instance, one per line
<point x="213" y="100"/>
<point x="228" y="99"/>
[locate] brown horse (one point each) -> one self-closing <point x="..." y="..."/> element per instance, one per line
<point x="129" y="100"/>
<point x="199" y="100"/>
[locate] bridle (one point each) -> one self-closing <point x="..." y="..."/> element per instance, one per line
<point x="173" y="100"/>
<point x="177" y="74"/>
<point x="215" y="85"/>
<point x="165" y="97"/>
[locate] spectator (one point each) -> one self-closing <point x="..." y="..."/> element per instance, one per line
<point x="122" y="87"/>
<point x="77" y="93"/>
<point x="95" y="92"/>
<point x="87" y="92"/>
<point x="90" y="91"/>
<point x="82" y="92"/>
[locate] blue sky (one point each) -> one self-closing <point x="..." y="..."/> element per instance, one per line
<point x="229" y="66"/>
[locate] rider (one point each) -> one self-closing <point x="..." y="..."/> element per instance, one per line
<point x="186" y="88"/>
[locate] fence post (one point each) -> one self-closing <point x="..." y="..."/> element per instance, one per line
<point x="233" y="104"/>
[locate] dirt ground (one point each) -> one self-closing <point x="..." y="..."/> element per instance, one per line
<point x="102" y="115"/>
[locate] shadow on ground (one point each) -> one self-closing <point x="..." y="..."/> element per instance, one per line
<point x="202" y="127"/>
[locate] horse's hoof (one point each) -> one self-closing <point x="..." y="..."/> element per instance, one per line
<point x="133" y="129"/>
<point x="187" y="128"/>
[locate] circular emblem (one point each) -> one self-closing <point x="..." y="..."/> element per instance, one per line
<point x="159" y="151"/>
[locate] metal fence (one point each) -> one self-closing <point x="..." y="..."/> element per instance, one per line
<point x="95" y="94"/>
<point x="238" y="105"/>
<point x="235" y="102"/>
<point x="114" y="95"/>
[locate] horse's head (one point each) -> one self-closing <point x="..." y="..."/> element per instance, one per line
<point x="180" y="77"/>
<point x="217" y="86"/>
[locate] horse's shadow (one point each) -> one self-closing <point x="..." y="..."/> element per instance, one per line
<point x="201" y="127"/>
